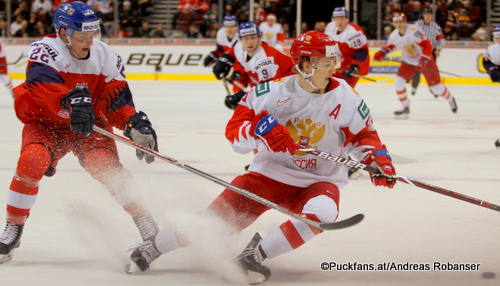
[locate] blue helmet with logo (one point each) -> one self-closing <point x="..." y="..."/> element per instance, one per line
<point x="340" y="12"/>
<point x="230" y="20"/>
<point x="248" y="28"/>
<point x="76" y="16"/>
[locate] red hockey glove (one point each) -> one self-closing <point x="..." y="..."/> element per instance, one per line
<point x="422" y="63"/>
<point x="379" y="55"/>
<point x="274" y="135"/>
<point x="381" y="159"/>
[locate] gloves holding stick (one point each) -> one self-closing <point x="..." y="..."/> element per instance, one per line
<point x="381" y="159"/>
<point x="351" y="71"/>
<point x="223" y="66"/>
<point x="139" y="129"/>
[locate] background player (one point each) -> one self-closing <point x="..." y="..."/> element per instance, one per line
<point x="272" y="32"/>
<point x="353" y="46"/>
<point x="434" y="33"/>
<point x="253" y="62"/>
<point x="226" y="38"/>
<point x="316" y="110"/>
<point x="74" y="81"/>
<point x="491" y="62"/>
<point x="417" y="56"/>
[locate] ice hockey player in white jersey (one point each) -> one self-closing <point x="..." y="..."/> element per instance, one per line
<point x="4" y="75"/>
<point x="312" y="109"/>
<point x="491" y="62"/>
<point x="226" y="38"/>
<point x="272" y="32"/>
<point x="416" y="56"/>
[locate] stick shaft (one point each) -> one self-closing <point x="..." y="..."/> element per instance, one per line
<point x="420" y="184"/>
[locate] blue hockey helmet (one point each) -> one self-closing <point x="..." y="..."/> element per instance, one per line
<point x="230" y="20"/>
<point x="76" y="16"/>
<point x="248" y="28"/>
<point x="496" y="32"/>
<point x="340" y="12"/>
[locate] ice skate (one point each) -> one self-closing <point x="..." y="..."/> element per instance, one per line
<point x="142" y="256"/>
<point x="249" y="261"/>
<point x="146" y="225"/>
<point x="453" y="105"/>
<point x="403" y="113"/>
<point x="497" y="143"/>
<point x="10" y="239"/>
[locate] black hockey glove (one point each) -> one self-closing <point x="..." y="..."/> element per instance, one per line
<point x="223" y="66"/>
<point x="232" y="100"/>
<point x="234" y="76"/>
<point x="495" y="74"/>
<point x="79" y="105"/>
<point x="210" y="59"/>
<point x="139" y="129"/>
<point x="351" y="71"/>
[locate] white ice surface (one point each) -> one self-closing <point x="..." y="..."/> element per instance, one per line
<point x="78" y="235"/>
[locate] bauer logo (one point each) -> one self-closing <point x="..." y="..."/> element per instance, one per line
<point x="91" y="26"/>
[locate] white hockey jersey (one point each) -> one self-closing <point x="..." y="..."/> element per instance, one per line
<point x="413" y="44"/>
<point x="337" y="121"/>
<point x="224" y="41"/>
<point x="271" y="34"/>
<point x="493" y="53"/>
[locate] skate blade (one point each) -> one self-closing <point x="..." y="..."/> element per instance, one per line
<point x="131" y="268"/>
<point x="402" y="116"/>
<point x="6" y="257"/>
<point x="254" y="278"/>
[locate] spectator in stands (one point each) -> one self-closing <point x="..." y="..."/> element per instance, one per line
<point x="177" y="33"/>
<point x="103" y="5"/>
<point x="16" y="25"/>
<point x="144" y="30"/>
<point x="158" y="32"/>
<point x="194" y="32"/>
<point x="23" y="9"/>
<point x="320" y="26"/>
<point x="481" y="34"/>
<point x="416" y="13"/>
<point x="108" y="22"/>
<point x="3" y="28"/>
<point x="387" y="32"/>
<point x="39" y="29"/>
<point x="145" y="8"/>
<point x="448" y="31"/>
<point x="127" y="16"/>
<point x="22" y="32"/>
<point x="210" y="17"/>
<point x="43" y="9"/>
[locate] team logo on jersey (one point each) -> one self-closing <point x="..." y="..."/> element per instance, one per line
<point x="306" y="132"/>
<point x="363" y="110"/>
<point x="262" y="88"/>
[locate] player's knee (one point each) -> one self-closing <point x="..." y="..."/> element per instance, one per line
<point x="34" y="161"/>
<point x="437" y="89"/>
<point x="99" y="160"/>
<point x="399" y="83"/>
<point x="323" y="207"/>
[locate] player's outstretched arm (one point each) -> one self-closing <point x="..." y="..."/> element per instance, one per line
<point x="381" y="159"/>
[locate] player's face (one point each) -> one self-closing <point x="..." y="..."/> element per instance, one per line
<point x="341" y="22"/>
<point x="250" y="43"/>
<point x="81" y="42"/>
<point x="231" y="30"/>
<point x="399" y="25"/>
<point x="325" y="68"/>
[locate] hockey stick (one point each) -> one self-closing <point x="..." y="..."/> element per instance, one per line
<point x="371" y="79"/>
<point x="413" y="182"/>
<point x="323" y="226"/>
<point x="16" y="61"/>
<point x="224" y="82"/>
<point x="425" y="68"/>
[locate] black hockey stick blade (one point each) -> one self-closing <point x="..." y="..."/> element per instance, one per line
<point x="354" y="220"/>
<point x="410" y="181"/>
<point x="243" y="192"/>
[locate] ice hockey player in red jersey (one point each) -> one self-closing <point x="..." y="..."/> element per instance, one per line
<point x="491" y="63"/>
<point x="353" y="46"/>
<point x="226" y="38"/>
<point x="417" y="56"/>
<point x="252" y="61"/>
<point x="311" y="108"/>
<point x="73" y="81"/>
